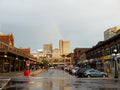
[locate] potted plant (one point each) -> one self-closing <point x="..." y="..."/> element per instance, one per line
<point x="26" y="70"/>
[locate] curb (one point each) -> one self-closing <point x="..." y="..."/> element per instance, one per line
<point x="37" y="72"/>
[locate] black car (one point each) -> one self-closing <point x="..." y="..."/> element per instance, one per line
<point x="80" y="72"/>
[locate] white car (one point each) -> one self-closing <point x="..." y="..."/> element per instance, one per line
<point x="74" y="70"/>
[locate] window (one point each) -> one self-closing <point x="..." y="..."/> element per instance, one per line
<point x="118" y="47"/>
<point x="112" y="48"/>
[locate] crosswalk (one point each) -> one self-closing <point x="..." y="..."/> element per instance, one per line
<point x="3" y="82"/>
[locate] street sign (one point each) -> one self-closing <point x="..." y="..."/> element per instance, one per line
<point x="28" y="62"/>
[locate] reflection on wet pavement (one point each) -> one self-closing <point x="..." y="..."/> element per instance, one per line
<point x="60" y="80"/>
<point x="37" y="84"/>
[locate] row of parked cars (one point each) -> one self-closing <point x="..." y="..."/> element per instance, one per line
<point x="85" y="72"/>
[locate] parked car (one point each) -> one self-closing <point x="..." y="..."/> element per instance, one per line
<point x="74" y="70"/>
<point x="70" y="70"/>
<point x="94" y="73"/>
<point x="80" y="72"/>
<point x="66" y="68"/>
<point x="52" y="67"/>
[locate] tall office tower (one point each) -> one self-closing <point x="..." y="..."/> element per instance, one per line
<point x="7" y="38"/>
<point x="111" y="32"/>
<point x="47" y="49"/>
<point x="64" y="47"/>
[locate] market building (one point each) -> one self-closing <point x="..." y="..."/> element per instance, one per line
<point x="13" y="59"/>
<point x="101" y="54"/>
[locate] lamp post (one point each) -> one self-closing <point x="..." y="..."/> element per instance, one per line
<point x="115" y="62"/>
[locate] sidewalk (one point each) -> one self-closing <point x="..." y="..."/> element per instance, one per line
<point x="14" y="74"/>
<point x="111" y="75"/>
<point x="6" y="77"/>
<point x="10" y="74"/>
<point x="33" y="73"/>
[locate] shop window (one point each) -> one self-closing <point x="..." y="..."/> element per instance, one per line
<point x="112" y="48"/>
<point x="118" y="47"/>
<point x="107" y="51"/>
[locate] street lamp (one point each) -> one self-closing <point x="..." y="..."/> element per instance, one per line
<point x="115" y="62"/>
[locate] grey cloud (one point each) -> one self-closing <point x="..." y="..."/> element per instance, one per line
<point x="80" y="21"/>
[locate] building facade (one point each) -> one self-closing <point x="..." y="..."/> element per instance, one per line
<point x="39" y="55"/>
<point x="13" y="59"/>
<point x="103" y="51"/>
<point x="25" y="50"/>
<point x="7" y="38"/>
<point x="54" y="56"/>
<point x="47" y="49"/>
<point x="64" y="47"/>
<point x="56" y="53"/>
<point x="111" y="32"/>
<point x="79" y="55"/>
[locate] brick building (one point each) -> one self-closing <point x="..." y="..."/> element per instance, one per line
<point x="25" y="50"/>
<point x="7" y="38"/>
<point x="79" y="54"/>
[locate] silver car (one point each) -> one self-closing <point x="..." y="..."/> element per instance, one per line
<point x="94" y="73"/>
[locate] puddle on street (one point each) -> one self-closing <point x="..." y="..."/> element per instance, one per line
<point x="60" y="80"/>
<point x="37" y="83"/>
<point x="40" y="83"/>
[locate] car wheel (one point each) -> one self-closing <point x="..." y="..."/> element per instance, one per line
<point x="88" y="76"/>
<point x="103" y="76"/>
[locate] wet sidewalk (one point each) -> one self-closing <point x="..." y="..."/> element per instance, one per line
<point x="21" y="73"/>
<point x="33" y="73"/>
<point x="112" y="75"/>
<point x="6" y="77"/>
<point x="10" y="74"/>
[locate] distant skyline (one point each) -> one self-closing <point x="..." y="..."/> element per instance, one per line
<point x="37" y="22"/>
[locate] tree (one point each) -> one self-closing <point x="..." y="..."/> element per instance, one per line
<point x="45" y="63"/>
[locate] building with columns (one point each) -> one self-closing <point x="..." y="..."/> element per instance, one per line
<point x="102" y="52"/>
<point x="13" y="59"/>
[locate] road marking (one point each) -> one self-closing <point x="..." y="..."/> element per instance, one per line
<point x="3" y="83"/>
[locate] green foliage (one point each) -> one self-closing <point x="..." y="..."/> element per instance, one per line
<point x="45" y="62"/>
<point x="27" y="67"/>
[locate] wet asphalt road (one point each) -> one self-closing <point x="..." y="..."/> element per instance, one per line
<point x="54" y="79"/>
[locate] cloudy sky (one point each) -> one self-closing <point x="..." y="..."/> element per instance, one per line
<point x="37" y="22"/>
